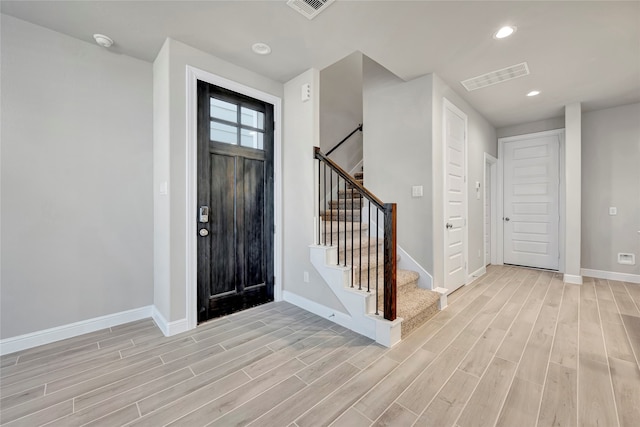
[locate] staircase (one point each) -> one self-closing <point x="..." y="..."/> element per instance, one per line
<point x="353" y="249"/>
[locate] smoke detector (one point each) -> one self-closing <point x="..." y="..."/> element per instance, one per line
<point x="495" y="77"/>
<point x="309" y="8"/>
<point x="103" y="40"/>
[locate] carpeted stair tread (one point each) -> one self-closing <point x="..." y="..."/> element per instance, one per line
<point x="416" y="306"/>
<point x="404" y="278"/>
<point x="349" y="193"/>
<point x="342" y="215"/>
<point x="358" y="242"/>
<point x="332" y="226"/>
<point x="347" y="203"/>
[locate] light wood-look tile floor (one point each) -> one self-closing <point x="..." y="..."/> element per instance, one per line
<point x="516" y="348"/>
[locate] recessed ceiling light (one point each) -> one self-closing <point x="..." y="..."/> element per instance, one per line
<point x="504" y="32"/>
<point x="103" y="40"/>
<point x="261" y="48"/>
<point x="534" y="93"/>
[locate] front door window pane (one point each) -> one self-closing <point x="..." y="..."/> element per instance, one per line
<point x="252" y="118"/>
<point x="224" y="110"/>
<point x="223" y="133"/>
<point x="251" y="138"/>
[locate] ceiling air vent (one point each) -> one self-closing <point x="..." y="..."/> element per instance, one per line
<point x="494" y="77"/>
<point x="309" y="8"/>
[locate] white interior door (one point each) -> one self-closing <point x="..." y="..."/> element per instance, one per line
<point x="455" y="123"/>
<point x="531" y="195"/>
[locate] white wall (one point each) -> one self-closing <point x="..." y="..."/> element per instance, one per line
<point x="531" y="127"/>
<point x="301" y="134"/>
<point x="171" y="150"/>
<point x="611" y="177"/>
<point x="572" y="184"/>
<point x="481" y="138"/>
<point x="397" y="153"/>
<point x="76" y="173"/>
<point x="341" y="110"/>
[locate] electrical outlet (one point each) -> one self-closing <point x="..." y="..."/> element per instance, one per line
<point x="628" y="259"/>
<point x="613" y="211"/>
<point x="306" y="277"/>
<point x="417" y="191"/>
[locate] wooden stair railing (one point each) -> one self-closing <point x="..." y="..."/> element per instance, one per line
<point x="337" y="191"/>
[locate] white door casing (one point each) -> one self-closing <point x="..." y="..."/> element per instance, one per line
<point x="487" y="217"/>
<point x="530" y="216"/>
<point x="491" y="208"/>
<point x="455" y="196"/>
<point x="192" y="76"/>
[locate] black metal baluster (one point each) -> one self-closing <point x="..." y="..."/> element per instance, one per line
<point x="324" y="176"/>
<point x="319" y="191"/>
<point x="353" y="265"/>
<point x="369" y="252"/>
<point x="377" y="290"/>
<point x="345" y="227"/>
<point x="331" y="203"/>
<point x="338" y="215"/>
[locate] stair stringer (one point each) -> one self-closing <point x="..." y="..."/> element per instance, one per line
<point x="360" y="305"/>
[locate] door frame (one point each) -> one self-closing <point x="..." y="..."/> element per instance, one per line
<point x="446" y="104"/>
<point x="491" y="164"/>
<point x="561" y="192"/>
<point x="192" y="76"/>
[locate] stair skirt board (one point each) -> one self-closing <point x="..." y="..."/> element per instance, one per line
<point x="384" y="332"/>
<point x="414" y="305"/>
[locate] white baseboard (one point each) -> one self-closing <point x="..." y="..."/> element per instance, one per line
<point x="572" y="278"/>
<point x="34" y="339"/>
<point x="169" y="328"/>
<point x="406" y="261"/>
<point x="315" y="308"/>
<point x="478" y="273"/>
<point x="611" y="275"/>
<point x="425" y="281"/>
<point x="356" y="168"/>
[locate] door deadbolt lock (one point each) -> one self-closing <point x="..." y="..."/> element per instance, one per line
<point x="203" y="232"/>
<point x="203" y="215"/>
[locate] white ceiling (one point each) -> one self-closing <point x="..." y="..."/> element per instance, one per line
<point x="577" y="51"/>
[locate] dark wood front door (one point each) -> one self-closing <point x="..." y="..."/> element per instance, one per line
<point x="235" y="202"/>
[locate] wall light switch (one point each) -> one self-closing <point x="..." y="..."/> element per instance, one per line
<point x="613" y="211"/>
<point x="417" y="191"/>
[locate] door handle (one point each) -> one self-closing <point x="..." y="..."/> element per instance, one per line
<point x="507" y="219"/>
<point x="203" y="232"/>
<point x="449" y="225"/>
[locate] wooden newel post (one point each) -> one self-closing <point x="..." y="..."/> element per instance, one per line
<point x="390" y="260"/>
